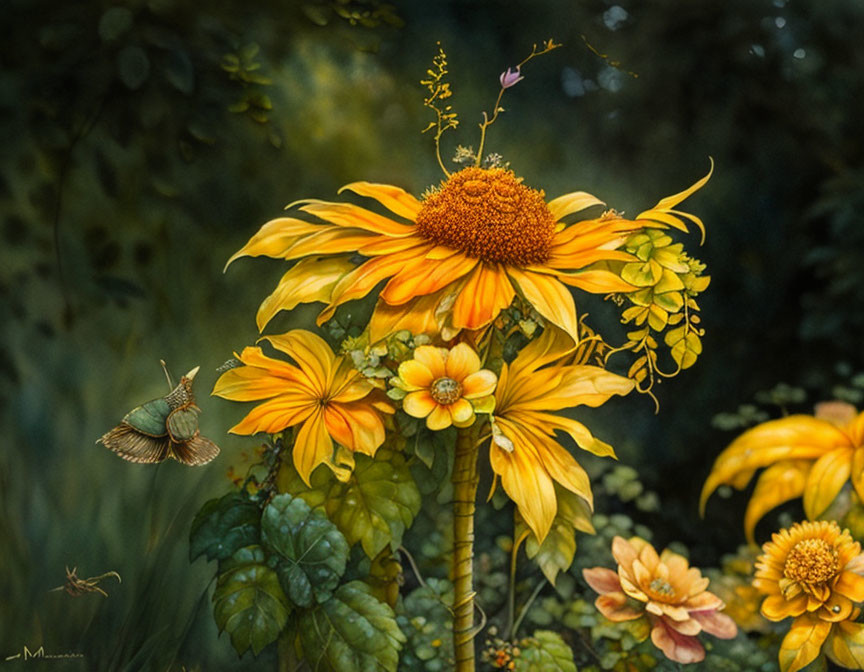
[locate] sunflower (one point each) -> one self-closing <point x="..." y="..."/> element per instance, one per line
<point x="456" y="258"/>
<point x="524" y="452"/>
<point x="444" y="386"/>
<point x="664" y="589"/>
<point x="811" y="572"/>
<point x="805" y="455"/>
<point x="323" y="394"/>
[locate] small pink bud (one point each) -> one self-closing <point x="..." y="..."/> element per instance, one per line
<point x="510" y="77"/>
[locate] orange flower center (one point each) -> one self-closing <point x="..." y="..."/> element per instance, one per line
<point x="811" y="561"/>
<point x="446" y="391"/>
<point x="491" y="215"/>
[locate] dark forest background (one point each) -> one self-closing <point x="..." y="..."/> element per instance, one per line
<point x="144" y="141"/>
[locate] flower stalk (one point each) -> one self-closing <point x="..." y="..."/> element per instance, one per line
<point x="464" y="479"/>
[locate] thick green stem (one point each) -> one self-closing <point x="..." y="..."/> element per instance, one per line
<point x="464" y="495"/>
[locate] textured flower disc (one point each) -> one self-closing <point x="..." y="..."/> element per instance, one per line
<point x="491" y="215"/>
<point x="811" y="561"/>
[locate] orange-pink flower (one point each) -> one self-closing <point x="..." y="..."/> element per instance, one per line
<point x="664" y="589"/>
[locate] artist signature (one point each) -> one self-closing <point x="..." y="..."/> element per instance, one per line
<point x="27" y="654"/>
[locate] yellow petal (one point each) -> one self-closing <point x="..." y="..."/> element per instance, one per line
<point x="461" y="362"/>
<point x="550" y="298"/>
<point x="528" y="485"/>
<point x="777" y="607"/>
<point x="396" y="200"/>
<point x="439" y="418"/>
<point x="596" y="281"/>
<point x="275" y="415"/>
<point x="461" y="412"/>
<point x="432" y="358"/>
<point x="827" y="477"/>
<point x="575" y="429"/>
<point x="310" y="280"/>
<point x="486" y="292"/>
<point x="275" y="238"/>
<point x="417" y="316"/>
<point x="851" y="585"/>
<point x="858" y="471"/>
<point x="363" y="279"/>
<point x="790" y="438"/>
<point x="415" y="375"/>
<point x="310" y="351"/>
<point x="425" y="278"/>
<point x="573" y="202"/>
<point x="312" y="446"/>
<point x="777" y="484"/>
<point x="261" y="378"/>
<point x="802" y="643"/>
<point x="365" y="431"/>
<point x="666" y="204"/>
<point x="478" y="385"/>
<point x="845" y="646"/>
<point x="419" y="404"/>
<point x="352" y="216"/>
<point x="579" y="385"/>
<point x="552" y="344"/>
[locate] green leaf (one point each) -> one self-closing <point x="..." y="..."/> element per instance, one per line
<point x="114" y="22"/>
<point x="180" y="72"/>
<point x="133" y="66"/>
<point x="544" y="652"/>
<point x="375" y="506"/>
<point x="249" y="603"/>
<point x="351" y="632"/>
<point x="314" y="550"/>
<point x="223" y="525"/>
<point x="556" y="552"/>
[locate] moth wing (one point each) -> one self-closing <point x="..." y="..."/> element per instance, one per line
<point x="195" y="452"/>
<point x="132" y="445"/>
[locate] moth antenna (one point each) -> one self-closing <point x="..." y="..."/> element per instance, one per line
<point x="167" y="375"/>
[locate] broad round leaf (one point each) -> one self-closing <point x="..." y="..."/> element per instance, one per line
<point x="223" y="525"/>
<point x="351" y="632"/>
<point x="545" y="652"/>
<point x="249" y="605"/>
<point x="313" y="550"/>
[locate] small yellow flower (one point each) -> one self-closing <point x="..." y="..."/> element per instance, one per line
<point x="812" y="572"/>
<point x="809" y="456"/>
<point x="442" y="384"/>
<point x="663" y="588"/>
<point x="323" y="394"/>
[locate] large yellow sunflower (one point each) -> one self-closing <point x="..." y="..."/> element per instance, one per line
<point x="324" y="394"/>
<point x="524" y="452"/>
<point x="805" y="455"/>
<point x="456" y="258"/>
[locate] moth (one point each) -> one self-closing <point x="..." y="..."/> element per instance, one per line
<point x="163" y="428"/>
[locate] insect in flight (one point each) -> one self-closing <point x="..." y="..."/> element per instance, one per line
<point x="163" y="428"/>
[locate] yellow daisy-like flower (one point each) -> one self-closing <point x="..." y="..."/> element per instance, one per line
<point x="442" y="384"/>
<point x="812" y="572"/>
<point x="323" y="394"/>
<point x="805" y="455"/>
<point x="524" y="452"/>
<point x="664" y="588"/>
<point x="458" y="257"/>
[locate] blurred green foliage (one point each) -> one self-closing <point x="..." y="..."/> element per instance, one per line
<point x="145" y="140"/>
